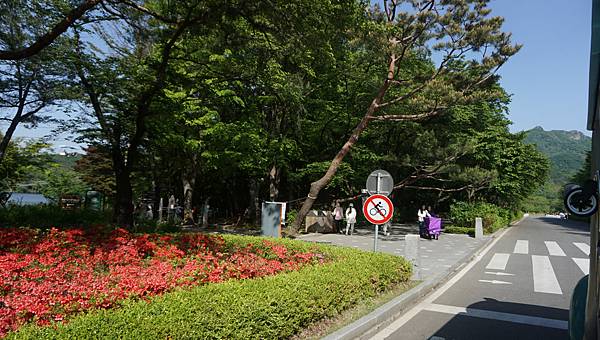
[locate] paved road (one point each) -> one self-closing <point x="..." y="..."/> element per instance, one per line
<point x="518" y="288"/>
<point x="436" y="256"/>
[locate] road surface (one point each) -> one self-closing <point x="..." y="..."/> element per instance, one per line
<point x="519" y="287"/>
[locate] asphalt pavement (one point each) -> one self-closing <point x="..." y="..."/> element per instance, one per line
<point x="519" y="287"/>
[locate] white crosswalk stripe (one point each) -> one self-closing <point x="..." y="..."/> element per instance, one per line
<point x="521" y="247"/>
<point x="583" y="264"/>
<point x="544" y="279"/>
<point x="554" y="249"/>
<point x="583" y="247"/>
<point x="498" y="261"/>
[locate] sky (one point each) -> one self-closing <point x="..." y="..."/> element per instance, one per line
<point x="548" y="78"/>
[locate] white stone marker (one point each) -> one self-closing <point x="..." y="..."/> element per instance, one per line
<point x="478" y="227"/>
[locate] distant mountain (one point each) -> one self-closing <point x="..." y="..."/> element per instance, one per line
<point x="565" y="149"/>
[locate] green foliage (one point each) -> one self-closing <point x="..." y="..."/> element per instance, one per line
<point x="95" y="169"/>
<point x="275" y="307"/>
<point x="521" y="168"/>
<point x="47" y="216"/>
<point x="55" y="182"/>
<point x="493" y="217"/>
<point x="291" y="216"/>
<point x="20" y="162"/>
<point x="460" y="230"/>
<point x="253" y="100"/>
<point x="546" y="199"/>
<point x="584" y="171"/>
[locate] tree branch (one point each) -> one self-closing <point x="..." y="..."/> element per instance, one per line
<point x="407" y="118"/>
<point x="468" y="186"/>
<point x="48" y="38"/>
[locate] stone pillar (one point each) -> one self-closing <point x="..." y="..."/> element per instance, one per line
<point x="411" y="253"/>
<point x="160" y="211"/>
<point x="478" y="227"/>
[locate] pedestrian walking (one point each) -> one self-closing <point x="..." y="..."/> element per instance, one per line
<point x="350" y="219"/>
<point x="421" y="214"/>
<point x="338" y="217"/>
<point x="386" y="227"/>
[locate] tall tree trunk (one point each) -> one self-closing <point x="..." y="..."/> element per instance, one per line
<point x="274" y="177"/>
<point x="253" y="190"/>
<point x="7" y="137"/>
<point x="315" y="187"/>
<point x="155" y="196"/>
<point x="205" y="208"/>
<point x="189" y="181"/>
<point x="124" y="198"/>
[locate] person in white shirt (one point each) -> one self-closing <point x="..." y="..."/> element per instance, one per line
<point x="350" y="219"/>
<point x="421" y="214"/>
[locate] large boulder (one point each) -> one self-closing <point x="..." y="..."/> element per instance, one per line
<point x="319" y="222"/>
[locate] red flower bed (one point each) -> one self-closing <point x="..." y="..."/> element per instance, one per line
<point x="46" y="277"/>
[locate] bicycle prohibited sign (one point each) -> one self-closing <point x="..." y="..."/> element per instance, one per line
<point x="378" y="209"/>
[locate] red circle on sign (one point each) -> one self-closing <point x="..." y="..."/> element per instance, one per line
<point x="378" y="209"/>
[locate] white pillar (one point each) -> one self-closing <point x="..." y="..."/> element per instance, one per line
<point x="478" y="227"/>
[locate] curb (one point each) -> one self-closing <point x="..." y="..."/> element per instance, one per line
<point x="381" y="317"/>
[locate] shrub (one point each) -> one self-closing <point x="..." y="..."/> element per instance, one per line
<point x="272" y="307"/>
<point x="493" y="217"/>
<point x="54" y="275"/>
<point x="46" y="216"/>
<point x="460" y="230"/>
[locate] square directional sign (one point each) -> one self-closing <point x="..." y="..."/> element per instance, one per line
<point x="378" y="209"/>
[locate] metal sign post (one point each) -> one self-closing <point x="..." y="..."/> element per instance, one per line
<point x="379" y="182"/>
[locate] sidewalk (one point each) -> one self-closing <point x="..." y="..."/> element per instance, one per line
<point x="436" y="256"/>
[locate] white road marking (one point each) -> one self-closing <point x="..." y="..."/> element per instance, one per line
<point x="583" y="264"/>
<point x="433" y="337"/>
<point x="583" y="247"/>
<point x="544" y="280"/>
<point x="496" y="282"/>
<point x="500" y="274"/>
<point x="521" y="247"/>
<point x="386" y="332"/>
<point x="554" y="249"/>
<point x="498" y="261"/>
<point x="509" y="317"/>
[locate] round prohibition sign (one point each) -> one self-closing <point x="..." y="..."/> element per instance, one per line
<point x="378" y="209"/>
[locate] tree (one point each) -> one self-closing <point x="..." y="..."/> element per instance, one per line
<point x="20" y="161"/>
<point x="124" y="90"/>
<point x="471" y="47"/>
<point x="54" y="182"/>
<point x="96" y="170"/>
<point x="583" y="174"/>
<point x="27" y="86"/>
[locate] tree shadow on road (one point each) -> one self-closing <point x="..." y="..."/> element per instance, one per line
<point x="479" y="323"/>
<point x="579" y="226"/>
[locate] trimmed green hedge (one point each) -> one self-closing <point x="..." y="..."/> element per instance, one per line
<point x="460" y="230"/>
<point x="268" y="308"/>
<point x="463" y="214"/>
<point x="46" y="216"/>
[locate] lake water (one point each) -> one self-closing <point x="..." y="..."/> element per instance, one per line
<point x="20" y="198"/>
